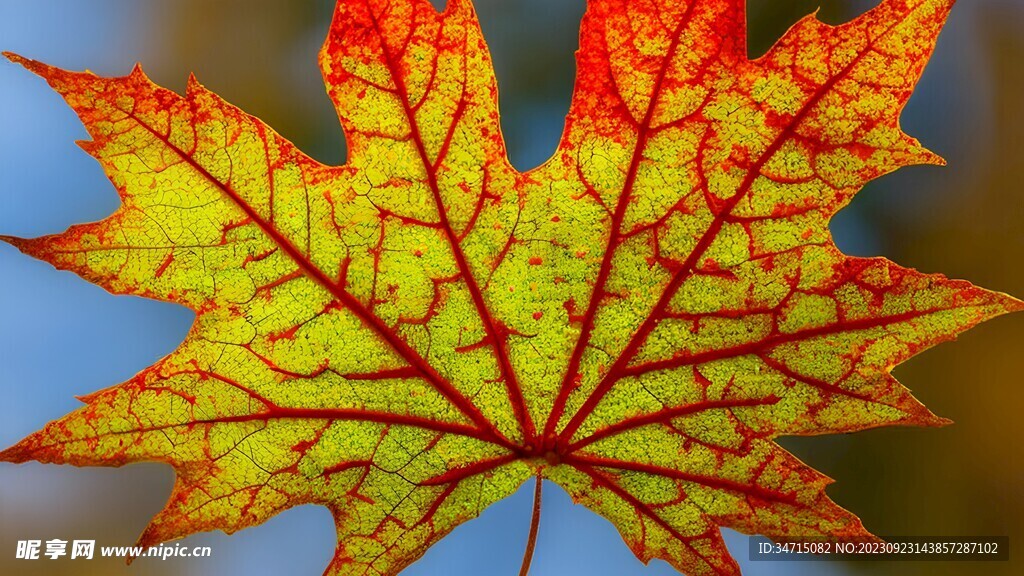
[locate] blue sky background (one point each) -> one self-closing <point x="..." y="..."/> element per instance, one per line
<point x="61" y="336"/>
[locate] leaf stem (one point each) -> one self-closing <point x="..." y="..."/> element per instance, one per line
<point x="531" y="541"/>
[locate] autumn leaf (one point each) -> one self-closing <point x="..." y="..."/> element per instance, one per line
<point x="409" y="337"/>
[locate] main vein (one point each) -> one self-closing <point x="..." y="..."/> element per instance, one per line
<point x="494" y="335"/>
<point x="572" y="370"/>
<point x="686" y="270"/>
<point x="402" y="348"/>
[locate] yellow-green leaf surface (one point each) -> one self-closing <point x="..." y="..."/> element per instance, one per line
<point x="407" y="338"/>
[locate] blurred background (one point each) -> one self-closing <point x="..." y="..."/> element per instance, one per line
<point x="60" y="336"/>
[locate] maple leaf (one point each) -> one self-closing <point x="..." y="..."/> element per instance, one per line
<point x="409" y="337"/>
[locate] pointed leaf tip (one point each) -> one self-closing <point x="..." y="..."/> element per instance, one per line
<point x="192" y="85"/>
<point x="28" y="246"/>
<point x="16" y="454"/>
<point x="1012" y="304"/>
<point x="15" y="241"/>
<point x="34" y="66"/>
<point x="138" y="75"/>
<point x="16" y="58"/>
